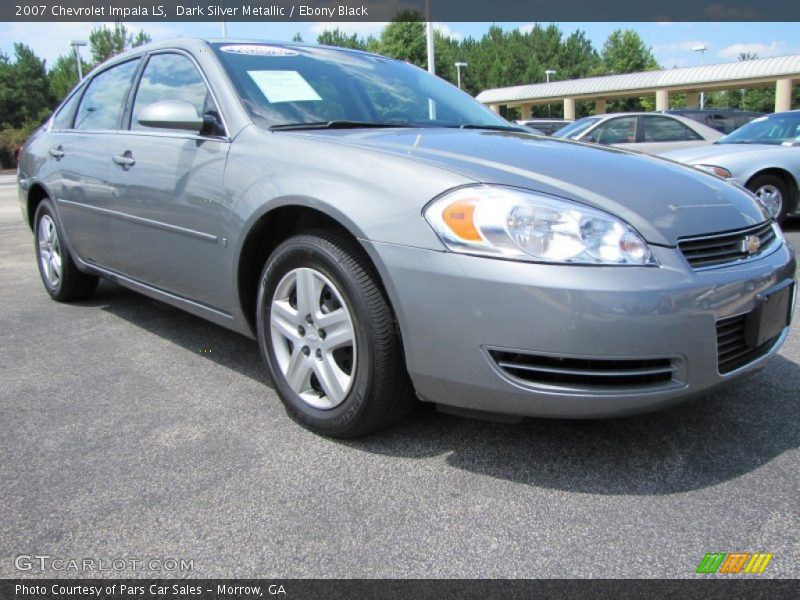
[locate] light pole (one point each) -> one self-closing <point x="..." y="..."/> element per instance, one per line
<point x="702" y="50"/>
<point x="547" y="73"/>
<point x="76" y="44"/>
<point x="459" y="65"/>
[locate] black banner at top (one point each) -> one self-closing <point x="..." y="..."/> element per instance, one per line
<point x="387" y="10"/>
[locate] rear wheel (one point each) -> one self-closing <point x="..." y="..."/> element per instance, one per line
<point x="773" y="193"/>
<point x="329" y="338"/>
<point x="61" y="278"/>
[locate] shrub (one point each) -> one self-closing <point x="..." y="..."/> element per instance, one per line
<point x="10" y="140"/>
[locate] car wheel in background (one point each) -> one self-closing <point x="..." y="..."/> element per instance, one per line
<point x="329" y="337"/>
<point x="773" y="193"/>
<point x="61" y="278"/>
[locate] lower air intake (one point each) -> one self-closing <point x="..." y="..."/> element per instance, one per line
<point x="584" y="372"/>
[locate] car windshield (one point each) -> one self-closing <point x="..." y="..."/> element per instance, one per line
<point x="775" y="130"/>
<point x="573" y="130"/>
<point x="284" y="86"/>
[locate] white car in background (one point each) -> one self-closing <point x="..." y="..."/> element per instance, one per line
<point x="646" y="132"/>
<point x="763" y="156"/>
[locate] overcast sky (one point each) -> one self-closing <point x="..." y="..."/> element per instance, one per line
<point x="671" y="42"/>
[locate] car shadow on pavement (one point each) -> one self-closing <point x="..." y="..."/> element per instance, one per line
<point x="213" y="342"/>
<point x="697" y="444"/>
<point x="701" y="443"/>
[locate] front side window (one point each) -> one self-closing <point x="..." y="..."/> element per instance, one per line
<point x="615" y="131"/>
<point x="103" y="102"/>
<point x="664" y="129"/>
<point x="170" y="77"/>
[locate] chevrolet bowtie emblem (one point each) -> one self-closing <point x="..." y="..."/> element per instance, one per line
<point x="750" y="244"/>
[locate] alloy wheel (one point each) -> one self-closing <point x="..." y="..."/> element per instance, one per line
<point x="313" y="337"/>
<point x="50" y="251"/>
<point x="771" y="198"/>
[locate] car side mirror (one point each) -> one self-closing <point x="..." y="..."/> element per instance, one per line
<point x="171" y="114"/>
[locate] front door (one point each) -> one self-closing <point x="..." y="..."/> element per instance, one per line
<point x="168" y="186"/>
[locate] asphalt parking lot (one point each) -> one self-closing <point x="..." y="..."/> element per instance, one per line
<point x="131" y="429"/>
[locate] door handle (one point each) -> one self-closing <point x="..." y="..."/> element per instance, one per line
<point x="124" y="160"/>
<point x="57" y="152"/>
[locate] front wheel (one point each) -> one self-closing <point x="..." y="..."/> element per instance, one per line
<point x="329" y="338"/>
<point x="773" y="193"/>
<point x="61" y="278"/>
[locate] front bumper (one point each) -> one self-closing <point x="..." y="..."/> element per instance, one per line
<point x="456" y="311"/>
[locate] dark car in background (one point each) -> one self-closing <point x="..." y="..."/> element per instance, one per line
<point x="724" y="120"/>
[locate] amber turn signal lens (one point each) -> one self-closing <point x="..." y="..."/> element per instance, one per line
<point x="458" y="217"/>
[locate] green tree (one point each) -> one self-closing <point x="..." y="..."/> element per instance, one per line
<point x="297" y="37"/>
<point x="336" y="37"/>
<point x="404" y="39"/>
<point x="625" y="52"/>
<point x="25" y="96"/>
<point x="64" y="75"/>
<point x="105" y="42"/>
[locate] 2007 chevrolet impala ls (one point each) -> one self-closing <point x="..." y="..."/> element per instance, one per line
<point x="384" y="237"/>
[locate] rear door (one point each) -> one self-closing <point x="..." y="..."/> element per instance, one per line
<point x="168" y="185"/>
<point x="80" y="147"/>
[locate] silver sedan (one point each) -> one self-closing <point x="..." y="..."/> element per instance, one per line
<point x="763" y="156"/>
<point x="385" y="237"/>
<point x="645" y="132"/>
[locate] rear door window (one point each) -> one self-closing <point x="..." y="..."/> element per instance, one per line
<point x="103" y="102"/>
<point x="63" y="118"/>
<point x="665" y="129"/>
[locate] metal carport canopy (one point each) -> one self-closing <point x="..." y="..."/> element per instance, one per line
<point x="727" y="75"/>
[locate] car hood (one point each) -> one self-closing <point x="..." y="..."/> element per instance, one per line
<point x="718" y="153"/>
<point x="664" y="201"/>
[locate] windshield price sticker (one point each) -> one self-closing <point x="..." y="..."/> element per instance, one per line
<point x="284" y="86"/>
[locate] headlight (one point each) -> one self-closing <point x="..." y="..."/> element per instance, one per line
<point x="509" y="223"/>
<point x="715" y="170"/>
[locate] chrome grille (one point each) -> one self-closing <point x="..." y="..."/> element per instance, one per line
<point x="723" y="248"/>
<point x="732" y="349"/>
<point x="554" y="370"/>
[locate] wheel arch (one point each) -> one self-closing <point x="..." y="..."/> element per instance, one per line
<point x="270" y="229"/>
<point x="36" y="193"/>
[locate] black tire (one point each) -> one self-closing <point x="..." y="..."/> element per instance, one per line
<point x="768" y="180"/>
<point x="380" y="390"/>
<point x="71" y="284"/>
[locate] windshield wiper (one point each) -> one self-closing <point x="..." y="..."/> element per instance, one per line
<point x="336" y="125"/>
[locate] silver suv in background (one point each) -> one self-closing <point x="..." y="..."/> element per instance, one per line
<point x="385" y="237"/>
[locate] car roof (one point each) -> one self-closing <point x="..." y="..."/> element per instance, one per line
<point x="198" y="44"/>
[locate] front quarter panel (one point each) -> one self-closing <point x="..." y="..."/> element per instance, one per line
<point x="376" y="196"/>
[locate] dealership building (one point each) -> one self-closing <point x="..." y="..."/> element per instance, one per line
<point x="780" y="71"/>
